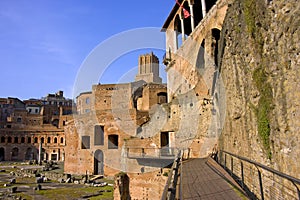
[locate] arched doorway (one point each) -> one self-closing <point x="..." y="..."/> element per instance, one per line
<point x="2" y="154"/>
<point x="98" y="163"/>
<point x="15" y="154"/>
<point x="29" y="155"/>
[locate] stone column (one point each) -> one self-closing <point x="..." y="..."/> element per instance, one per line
<point x="203" y="5"/>
<point x="191" y="3"/>
<point x="176" y="40"/>
<point x="182" y="28"/>
<point x="40" y="153"/>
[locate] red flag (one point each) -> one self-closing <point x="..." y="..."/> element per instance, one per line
<point x="186" y="13"/>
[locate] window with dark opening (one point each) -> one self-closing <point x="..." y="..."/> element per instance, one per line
<point x="85" y="142"/>
<point x="162" y="97"/>
<point x="35" y="140"/>
<point x="49" y="140"/>
<point x="55" y="140"/>
<point x="61" y="140"/>
<point x="99" y="135"/>
<point x="2" y="139"/>
<point x="22" y="140"/>
<point x="16" y="140"/>
<point x="42" y="140"/>
<point x="29" y="140"/>
<point x="113" y="141"/>
<point x="9" y="140"/>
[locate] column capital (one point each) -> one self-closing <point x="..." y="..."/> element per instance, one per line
<point x="191" y="2"/>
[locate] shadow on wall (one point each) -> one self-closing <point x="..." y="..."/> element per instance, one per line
<point x="123" y="185"/>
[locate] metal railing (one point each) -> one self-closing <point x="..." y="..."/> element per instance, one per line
<point x="269" y="183"/>
<point x="169" y="192"/>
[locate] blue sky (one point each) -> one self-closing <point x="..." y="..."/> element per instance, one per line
<point x="44" y="42"/>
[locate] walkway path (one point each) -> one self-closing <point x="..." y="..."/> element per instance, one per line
<point x="204" y="179"/>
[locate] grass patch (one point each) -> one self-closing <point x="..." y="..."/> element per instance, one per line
<point x="249" y="13"/>
<point x="264" y="108"/>
<point x="71" y="193"/>
<point x="26" y="196"/>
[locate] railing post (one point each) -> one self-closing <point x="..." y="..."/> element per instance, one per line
<point x="225" y="161"/>
<point x="298" y="191"/>
<point x="260" y="185"/>
<point x="231" y="172"/>
<point x="242" y="174"/>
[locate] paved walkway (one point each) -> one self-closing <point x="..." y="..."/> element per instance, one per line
<point x="203" y="179"/>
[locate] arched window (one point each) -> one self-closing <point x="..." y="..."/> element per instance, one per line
<point x="42" y="140"/>
<point x="61" y="140"/>
<point x="2" y="139"/>
<point x="177" y="27"/>
<point x="9" y="140"/>
<point x="55" y="140"/>
<point x="29" y="140"/>
<point x="16" y="140"/>
<point x="15" y="152"/>
<point x="215" y="43"/>
<point x="35" y="140"/>
<point x="22" y="140"/>
<point x="49" y="140"/>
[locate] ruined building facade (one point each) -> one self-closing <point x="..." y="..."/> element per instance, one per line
<point x="139" y="127"/>
<point x="108" y="117"/>
<point x="27" y="125"/>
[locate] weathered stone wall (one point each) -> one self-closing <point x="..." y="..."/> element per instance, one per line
<point x="112" y="107"/>
<point x="191" y="80"/>
<point x="260" y="69"/>
<point x="143" y="186"/>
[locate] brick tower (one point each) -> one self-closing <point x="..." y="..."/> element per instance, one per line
<point x="148" y="69"/>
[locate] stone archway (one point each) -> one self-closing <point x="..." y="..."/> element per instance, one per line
<point x="29" y="155"/>
<point x="98" y="162"/>
<point x="15" y="154"/>
<point x="2" y="154"/>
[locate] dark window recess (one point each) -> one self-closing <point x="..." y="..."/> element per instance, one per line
<point x="113" y="141"/>
<point x="85" y="142"/>
<point x="162" y="97"/>
<point x="99" y="135"/>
